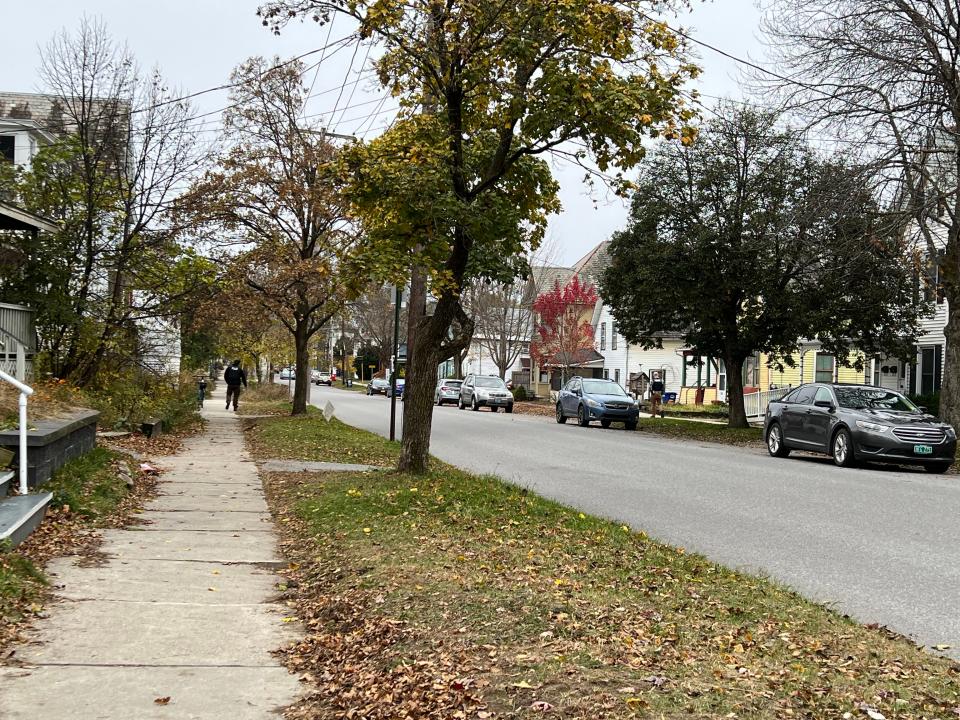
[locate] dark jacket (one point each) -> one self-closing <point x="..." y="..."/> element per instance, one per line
<point x="235" y="376"/>
<point x="657" y="386"/>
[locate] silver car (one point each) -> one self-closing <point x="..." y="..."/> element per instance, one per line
<point x="448" y="390"/>
<point x="489" y="390"/>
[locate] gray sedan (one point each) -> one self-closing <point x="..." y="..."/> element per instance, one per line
<point x="858" y="423"/>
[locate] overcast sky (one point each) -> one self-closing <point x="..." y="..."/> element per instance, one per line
<point x="196" y="43"/>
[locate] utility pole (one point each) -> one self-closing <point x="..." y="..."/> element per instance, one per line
<point x="394" y="361"/>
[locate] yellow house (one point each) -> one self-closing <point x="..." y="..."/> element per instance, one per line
<point x="811" y="364"/>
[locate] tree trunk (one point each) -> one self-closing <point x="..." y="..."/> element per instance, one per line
<point x="421" y="374"/>
<point x="301" y="388"/>
<point x="738" y="415"/>
<point x="422" y="362"/>
<point x="950" y="388"/>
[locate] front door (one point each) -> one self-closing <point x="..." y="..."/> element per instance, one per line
<point x="721" y="381"/>
<point x="887" y="373"/>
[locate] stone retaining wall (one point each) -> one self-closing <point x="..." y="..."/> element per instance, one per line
<point x="53" y="443"/>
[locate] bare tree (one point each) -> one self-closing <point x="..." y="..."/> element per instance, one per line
<point x="502" y="315"/>
<point x="125" y="148"/>
<point x="373" y="314"/>
<point x="884" y="75"/>
<point x="277" y="192"/>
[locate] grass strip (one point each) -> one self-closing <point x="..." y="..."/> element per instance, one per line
<point x="516" y="601"/>
<point x="700" y="431"/>
<point x="453" y="595"/>
<point x="311" y="437"/>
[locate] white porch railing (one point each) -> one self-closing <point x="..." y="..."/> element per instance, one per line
<point x="755" y="403"/>
<point x="25" y="392"/>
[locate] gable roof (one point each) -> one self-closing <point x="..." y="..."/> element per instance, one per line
<point x="592" y="265"/>
<point x="15" y="218"/>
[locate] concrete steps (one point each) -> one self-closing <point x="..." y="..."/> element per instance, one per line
<point x="20" y="515"/>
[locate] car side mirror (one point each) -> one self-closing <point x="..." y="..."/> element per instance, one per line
<point x="922" y="409"/>
<point x="828" y="404"/>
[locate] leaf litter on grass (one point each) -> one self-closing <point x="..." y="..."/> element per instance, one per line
<point x="471" y="598"/>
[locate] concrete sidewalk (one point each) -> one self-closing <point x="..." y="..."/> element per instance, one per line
<point x="181" y="610"/>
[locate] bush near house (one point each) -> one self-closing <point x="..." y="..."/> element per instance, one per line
<point x="520" y="393"/>
<point x="124" y="401"/>
<point x="931" y="402"/>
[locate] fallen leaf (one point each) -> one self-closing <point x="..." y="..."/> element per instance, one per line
<point x="541" y="705"/>
<point x="162" y="700"/>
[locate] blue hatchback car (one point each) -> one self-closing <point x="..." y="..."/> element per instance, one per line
<point x="589" y="399"/>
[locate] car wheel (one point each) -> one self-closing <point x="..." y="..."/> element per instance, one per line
<point x="937" y="468"/>
<point x="473" y="404"/>
<point x="775" y="445"/>
<point x="561" y="418"/>
<point x="582" y="418"/>
<point x="630" y="425"/>
<point x="439" y="402"/>
<point x="604" y="423"/>
<point x="460" y="404"/>
<point x="509" y="408"/>
<point x="842" y="450"/>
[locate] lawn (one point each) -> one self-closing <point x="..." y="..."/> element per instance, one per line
<point x="451" y="595"/>
<point x="311" y="437"/>
<point x="702" y="431"/>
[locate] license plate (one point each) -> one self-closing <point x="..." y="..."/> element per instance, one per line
<point x="923" y="450"/>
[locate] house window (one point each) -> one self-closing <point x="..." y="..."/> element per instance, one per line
<point x="606" y="374"/>
<point x="932" y="284"/>
<point x="613" y="336"/>
<point x="616" y="375"/>
<point x="930" y="361"/>
<point x="603" y="336"/>
<point x="7" y="145"/>
<point x="824" y="368"/>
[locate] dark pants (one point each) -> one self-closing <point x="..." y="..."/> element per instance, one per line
<point x="234" y="392"/>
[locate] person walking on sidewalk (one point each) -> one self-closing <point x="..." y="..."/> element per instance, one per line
<point x="656" y="395"/>
<point x="234" y="377"/>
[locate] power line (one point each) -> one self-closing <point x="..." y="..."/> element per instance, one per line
<point x="346" y="77"/>
<point x="317" y="73"/>
<point x="356" y="83"/>
<point x="776" y="75"/>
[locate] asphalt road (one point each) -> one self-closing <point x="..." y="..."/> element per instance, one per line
<point x="880" y="544"/>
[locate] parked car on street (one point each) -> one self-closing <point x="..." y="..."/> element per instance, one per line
<point x="448" y="390"/>
<point x="287" y="374"/>
<point x="378" y="386"/>
<point x="323" y="378"/>
<point x="855" y="423"/>
<point x="588" y="399"/>
<point x="400" y="383"/>
<point x="479" y="390"/>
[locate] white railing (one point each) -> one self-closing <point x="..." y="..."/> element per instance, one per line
<point x="25" y="392"/>
<point x="755" y="403"/>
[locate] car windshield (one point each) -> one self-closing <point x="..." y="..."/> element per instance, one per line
<point x="602" y="387"/>
<point x="864" y="398"/>
<point x="490" y="382"/>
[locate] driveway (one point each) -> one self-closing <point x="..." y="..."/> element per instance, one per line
<point x="880" y="544"/>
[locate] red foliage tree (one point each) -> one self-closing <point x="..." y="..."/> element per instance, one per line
<point x="563" y="337"/>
